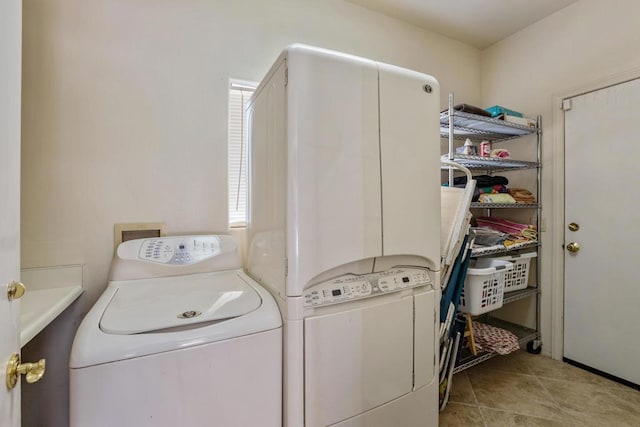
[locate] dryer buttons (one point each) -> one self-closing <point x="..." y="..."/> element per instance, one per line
<point x="351" y="286"/>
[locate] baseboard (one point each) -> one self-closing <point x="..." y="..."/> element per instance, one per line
<point x="602" y="374"/>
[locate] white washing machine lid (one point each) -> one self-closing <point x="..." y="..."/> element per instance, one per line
<point x="178" y="303"/>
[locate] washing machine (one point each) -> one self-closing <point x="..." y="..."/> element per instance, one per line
<point x="180" y="336"/>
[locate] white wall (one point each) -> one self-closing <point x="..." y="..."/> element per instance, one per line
<point x="125" y="120"/>
<point x="583" y="43"/>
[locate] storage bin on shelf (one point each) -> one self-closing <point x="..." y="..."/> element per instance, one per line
<point x="484" y="286"/>
<point x="518" y="278"/>
<point x="497" y="110"/>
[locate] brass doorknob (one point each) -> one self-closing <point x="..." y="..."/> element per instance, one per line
<point x="573" y="247"/>
<point x="33" y="371"/>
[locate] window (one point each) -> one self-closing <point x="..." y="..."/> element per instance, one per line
<point x="239" y="94"/>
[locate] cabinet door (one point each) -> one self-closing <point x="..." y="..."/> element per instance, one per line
<point x="10" y="50"/>
<point x="410" y="162"/>
<point x="333" y="182"/>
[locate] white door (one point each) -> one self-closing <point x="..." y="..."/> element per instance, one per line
<point x="10" y="65"/>
<point x="602" y="199"/>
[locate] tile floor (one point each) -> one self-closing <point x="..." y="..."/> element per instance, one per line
<point x="522" y="389"/>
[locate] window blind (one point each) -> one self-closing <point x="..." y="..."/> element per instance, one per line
<point x="239" y="94"/>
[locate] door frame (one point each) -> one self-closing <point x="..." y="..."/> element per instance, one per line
<point x="558" y="199"/>
<point x="10" y="140"/>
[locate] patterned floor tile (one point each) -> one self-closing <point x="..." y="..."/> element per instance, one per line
<point x="522" y="389"/>
<point x="461" y="415"/>
<point x="496" y="418"/>
<point x="593" y="404"/>
<point x="507" y="391"/>
<point x="461" y="391"/>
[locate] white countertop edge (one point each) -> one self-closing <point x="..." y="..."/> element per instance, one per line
<point x="38" y="308"/>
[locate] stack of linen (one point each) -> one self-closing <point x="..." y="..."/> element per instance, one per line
<point x="498" y="231"/>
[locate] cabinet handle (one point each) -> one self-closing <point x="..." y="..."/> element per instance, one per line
<point x="32" y="371"/>
<point x="15" y="290"/>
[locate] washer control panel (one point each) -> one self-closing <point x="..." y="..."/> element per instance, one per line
<point x="351" y="286"/>
<point x="179" y="250"/>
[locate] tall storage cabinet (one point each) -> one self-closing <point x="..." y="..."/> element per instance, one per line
<point x="457" y="125"/>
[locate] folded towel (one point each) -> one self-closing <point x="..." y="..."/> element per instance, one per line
<point x="526" y="231"/>
<point x="504" y="198"/>
<point x="488" y="237"/>
<point x="514" y="240"/>
<point x="472" y="109"/>
<point x="483" y="180"/>
<point x="495" y="189"/>
<point x="522" y="195"/>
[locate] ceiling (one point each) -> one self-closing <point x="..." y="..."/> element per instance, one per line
<point x="479" y="23"/>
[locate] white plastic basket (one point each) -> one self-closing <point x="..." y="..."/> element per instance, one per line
<point x="518" y="278"/>
<point x="484" y="286"/>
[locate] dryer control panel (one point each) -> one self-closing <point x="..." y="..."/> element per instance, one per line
<point x="350" y="286"/>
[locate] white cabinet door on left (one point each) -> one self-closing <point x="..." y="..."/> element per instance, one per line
<point x="10" y="82"/>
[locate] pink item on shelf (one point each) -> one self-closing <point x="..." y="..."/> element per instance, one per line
<point x="515" y="229"/>
<point x="485" y="148"/>
<point x="500" y="153"/>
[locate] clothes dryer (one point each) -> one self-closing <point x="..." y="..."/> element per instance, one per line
<point x="344" y="230"/>
<point x="181" y="336"/>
